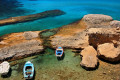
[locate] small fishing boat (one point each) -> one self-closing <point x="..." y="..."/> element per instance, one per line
<point x="28" y="70"/>
<point x="59" y="52"/>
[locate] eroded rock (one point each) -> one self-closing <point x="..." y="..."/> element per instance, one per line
<point x="89" y="58"/>
<point x="109" y="52"/>
<point x="20" y="50"/>
<point x="79" y="40"/>
<point x="97" y="20"/>
<point x="30" y="35"/>
<point x="103" y="35"/>
<point x="4" y="68"/>
<point x="115" y="23"/>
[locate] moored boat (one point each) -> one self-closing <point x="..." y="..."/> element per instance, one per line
<point x="59" y="52"/>
<point x="28" y="70"/>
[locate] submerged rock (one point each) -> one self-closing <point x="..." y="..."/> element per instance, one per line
<point x="109" y="52"/>
<point x="49" y="13"/>
<point x="89" y="58"/>
<point x="4" y="68"/>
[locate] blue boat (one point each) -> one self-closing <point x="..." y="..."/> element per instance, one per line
<point x="59" y="52"/>
<point x="28" y="70"/>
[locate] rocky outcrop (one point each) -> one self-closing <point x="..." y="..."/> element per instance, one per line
<point x="71" y="36"/>
<point x="109" y="52"/>
<point x="49" y="13"/>
<point x="103" y="35"/>
<point x="92" y="29"/>
<point x="97" y="20"/>
<point x="18" y="45"/>
<point x="4" y="68"/>
<point x="79" y="40"/>
<point x="30" y="35"/>
<point x="21" y="50"/>
<point x="115" y="23"/>
<point x="89" y="58"/>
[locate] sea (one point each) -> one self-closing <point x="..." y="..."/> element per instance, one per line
<point x="74" y="9"/>
<point x="47" y="66"/>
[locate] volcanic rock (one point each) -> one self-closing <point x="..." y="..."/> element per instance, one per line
<point x="89" y="58"/>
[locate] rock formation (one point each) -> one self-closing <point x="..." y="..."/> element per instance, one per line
<point x="18" y="19"/>
<point x="4" y="68"/>
<point x="89" y="58"/>
<point x="92" y="29"/>
<point x="91" y="32"/>
<point x="109" y="52"/>
<point x="17" y="46"/>
<point x="97" y="20"/>
<point x="30" y="35"/>
<point x="20" y="50"/>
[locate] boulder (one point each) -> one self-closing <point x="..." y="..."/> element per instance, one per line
<point x="89" y="58"/>
<point x="109" y="52"/>
<point x="30" y="35"/>
<point x="4" y="68"/>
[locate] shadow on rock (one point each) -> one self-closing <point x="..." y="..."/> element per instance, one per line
<point x="61" y="58"/>
<point x="7" y="75"/>
<point x="91" y="69"/>
<point x="114" y="62"/>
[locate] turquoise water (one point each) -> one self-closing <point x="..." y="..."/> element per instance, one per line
<point x="75" y="10"/>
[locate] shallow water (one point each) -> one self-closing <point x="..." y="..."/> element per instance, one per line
<point x="48" y="67"/>
<point x="75" y="10"/>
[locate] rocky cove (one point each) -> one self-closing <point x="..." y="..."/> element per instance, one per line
<point x="92" y="43"/>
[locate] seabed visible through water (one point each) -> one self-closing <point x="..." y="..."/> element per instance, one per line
<point x="48" y="67"/>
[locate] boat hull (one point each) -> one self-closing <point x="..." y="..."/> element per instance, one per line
<point x="26" y="73"/>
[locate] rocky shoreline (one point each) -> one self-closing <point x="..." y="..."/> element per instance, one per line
<point x="96" y="36"/>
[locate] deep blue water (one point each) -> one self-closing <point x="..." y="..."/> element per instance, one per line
<point x="75" y="10"/>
